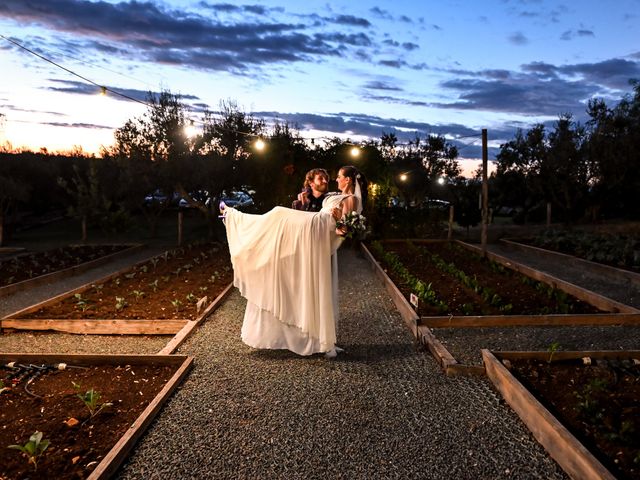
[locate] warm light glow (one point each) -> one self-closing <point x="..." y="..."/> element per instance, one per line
<point x="190" y="130"/>
<point x="259" y="144"/>
<point x="103" y="91"/>
<point x="441" y="181"/>
<point x="374" y="189"/>
<point x="403" y="177"/>
<point x="355" y="152"/>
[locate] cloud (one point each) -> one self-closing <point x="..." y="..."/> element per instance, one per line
<point x="92" y="126"/>
<point x="518" y="38"/>
<point x="236" y="39"/>
<point x="571" y="34"/>
<point x="380" y="85"/>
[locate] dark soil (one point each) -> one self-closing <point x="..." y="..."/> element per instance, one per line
<point x="77" y="442"/>
<point x="167" y="287"/>
<point x="31" y="265"/>
<point x="525" y="296"/>
<point x="598" y="403"/>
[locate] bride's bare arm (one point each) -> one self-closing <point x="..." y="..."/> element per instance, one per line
<point x="349" y="204"/>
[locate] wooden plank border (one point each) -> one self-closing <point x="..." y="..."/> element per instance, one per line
<point x="423" y="334"/>
<point x="189" y="326"/>
<point x="67" y="272"/>
<point x="92" y="326"/>
<point x="563" y="447"/>
<point x="114" y="458"/>
<point x="598" y="301"/>
<point x="498" y="321"/>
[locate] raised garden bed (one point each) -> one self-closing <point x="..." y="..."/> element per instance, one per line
<point x="455" y="281"/>
<point x="157" y="296"/>
<point x="581" y="406"/>
<point x="27" y="270"/>
<point x="81" y="446"/>
<point x="449" y="298"/>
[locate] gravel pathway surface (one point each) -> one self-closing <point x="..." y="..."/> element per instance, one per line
<point x="622" y="290"/>
<point x="382" y="409"/>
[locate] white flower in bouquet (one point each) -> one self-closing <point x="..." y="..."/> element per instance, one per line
<point x="354" y="223"/>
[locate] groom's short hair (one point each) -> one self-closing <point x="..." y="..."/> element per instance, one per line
<point x="311" y="174"/>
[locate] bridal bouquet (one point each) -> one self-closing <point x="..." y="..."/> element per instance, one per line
<point x="354" y="224"/>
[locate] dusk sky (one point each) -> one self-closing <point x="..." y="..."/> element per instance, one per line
<point x="333" y="68"/>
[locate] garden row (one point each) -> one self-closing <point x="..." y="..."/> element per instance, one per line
<point x="593" y="394"/>
<point x="78" y="416"/>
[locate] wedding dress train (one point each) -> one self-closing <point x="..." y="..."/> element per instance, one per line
<point x="285" y="265"/>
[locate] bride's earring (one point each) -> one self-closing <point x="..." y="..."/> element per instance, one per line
<point x="223" y="207"/>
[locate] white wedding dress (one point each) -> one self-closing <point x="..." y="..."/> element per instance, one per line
<point x="285" y="265"/>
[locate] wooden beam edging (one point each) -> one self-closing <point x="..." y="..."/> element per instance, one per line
<point x="79" y="289"/>
<point x="67" y="272"/>
<point x="186" y="330"/>
<point x="563" y="447"/>
<point x="592" y="298"/>
<point x="408" y="314"/>
<point x="498" y="321"/>
<point x="567" y="355"/>
<point x="423" y="334"/>
<point x="112" y="461"/>
<point x="599" y="268"/>
<point x="90" y="326"/>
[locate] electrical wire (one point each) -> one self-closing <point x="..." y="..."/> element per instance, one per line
<point x="104" y="89"/>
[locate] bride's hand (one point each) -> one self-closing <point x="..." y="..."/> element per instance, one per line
<point x="337" y="213"/>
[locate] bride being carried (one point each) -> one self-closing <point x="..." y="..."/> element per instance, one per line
<point x="285" y="265"/>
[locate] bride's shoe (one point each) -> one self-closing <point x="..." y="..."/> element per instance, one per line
<point x="223" y="210"/>
<point x="333" y="353"/>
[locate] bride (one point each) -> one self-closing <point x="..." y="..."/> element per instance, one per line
<point x="285" y="265"/>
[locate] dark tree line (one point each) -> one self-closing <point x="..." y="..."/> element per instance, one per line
<point x="152" y="154"/>
<point x="586" y="172"/>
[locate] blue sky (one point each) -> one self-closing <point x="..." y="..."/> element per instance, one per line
<point x="345" y="68"/>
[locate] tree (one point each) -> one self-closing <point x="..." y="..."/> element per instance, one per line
<point x="154" y="155"/>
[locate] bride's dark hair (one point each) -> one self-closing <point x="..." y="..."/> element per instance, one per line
<point x="357" y="176"/>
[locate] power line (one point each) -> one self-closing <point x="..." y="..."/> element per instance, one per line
<point x="104" y="89"/>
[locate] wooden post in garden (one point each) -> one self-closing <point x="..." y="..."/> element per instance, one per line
<point x="485" y="193"/>
<point x="180" y="220"/>
<point x="548" y="214"/>
<point x="450" y="233"/>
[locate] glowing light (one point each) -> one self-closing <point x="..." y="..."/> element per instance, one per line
<point x="441" y="180"/>
<point x="103" y="91"/>
<point x="355" y="152"/>
<point x="259" y="144"/>
<point x="190" y="129"/>
<point x="403" y="177"/>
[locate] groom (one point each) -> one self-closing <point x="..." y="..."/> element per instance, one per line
<point x="316" y="184"/>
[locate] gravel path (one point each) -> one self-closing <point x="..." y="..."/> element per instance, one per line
<point x="383" y="409"/>
<point x="622" y="290"/>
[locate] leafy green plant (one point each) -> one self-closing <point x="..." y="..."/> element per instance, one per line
<point x="121" y="303"/>
<point x="33" y="449"/>
<point x="553" y="348"/>
<point x="191" y="298"/>
<point x="588" y="403"/>
<point x="81" y="303"/>
<point x="176" y="304"/>
<point x="91" y="399"/>
<point x="154" y="285"/>
<point x="138" y="294"/>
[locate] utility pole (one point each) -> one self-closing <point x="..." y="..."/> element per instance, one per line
<point x="485" y="193"/>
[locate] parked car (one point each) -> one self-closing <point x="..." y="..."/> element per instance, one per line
<point x="158" y="197"/>
<point x="236" y="199"/>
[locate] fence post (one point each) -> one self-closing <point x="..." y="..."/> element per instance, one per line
<point x="485" y="193"/>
